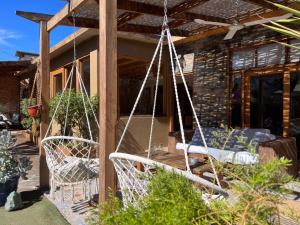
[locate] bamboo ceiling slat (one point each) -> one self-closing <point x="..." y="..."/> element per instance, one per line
<point x="146" y="16"/>
<point x="225" y="8"/>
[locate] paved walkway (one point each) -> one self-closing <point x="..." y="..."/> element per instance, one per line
<point x="26" y="148"/>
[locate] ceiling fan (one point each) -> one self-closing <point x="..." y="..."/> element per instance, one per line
<point x="237" y="25"/>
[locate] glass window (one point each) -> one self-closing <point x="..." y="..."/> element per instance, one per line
<point x="85" y="63"/>
<point x="272" y="54"/>
<point x="128" y="91"/>
<point x="58" y="84"/>
<point x="243" y="59"/>
<point x="294" y="52"/>
<point x="74" y="78"/>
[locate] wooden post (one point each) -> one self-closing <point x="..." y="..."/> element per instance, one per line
<point x="45" y="92"/>
<point x="168" y="91"/>
<point x="108" y="94"/>
<point x="286" y="103"/>
<point x="246" y="79"/>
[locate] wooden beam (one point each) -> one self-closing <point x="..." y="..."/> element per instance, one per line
<point x="127" y="16"/>
<point x="34" y="17"/>
<point x="68" y="21"/>
<point x="92" y="23"/>
<point x="140" y="7"/>
<point x="262" y="3"/>
<point x="150" y="9"/>
<point x="64" y="13"/>
<point x="45" y="91"/>
<point x="107" y="83"/>
<point x="150" y="30"/>
<point x="184" y="6"/>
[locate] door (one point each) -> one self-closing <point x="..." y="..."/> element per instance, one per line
<point x="266" y="103"/>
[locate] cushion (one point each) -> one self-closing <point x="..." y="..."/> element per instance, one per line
<point x="249" y="136"/>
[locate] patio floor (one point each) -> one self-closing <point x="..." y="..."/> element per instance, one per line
<point x="74" y="214"/>
<point x="37" y="203"/>
<point x="37" y="210"/>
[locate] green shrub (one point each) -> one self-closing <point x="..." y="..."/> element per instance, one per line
<point x="76" y="118"/>
<point x="26" y="119"/>
<point x="172" y="199"/>
<point x="11" y="165"/>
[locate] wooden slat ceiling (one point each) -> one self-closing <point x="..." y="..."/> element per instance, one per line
<point x="145" y="16"/>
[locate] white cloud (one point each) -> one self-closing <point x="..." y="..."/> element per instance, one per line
<point x="6" y="36"/>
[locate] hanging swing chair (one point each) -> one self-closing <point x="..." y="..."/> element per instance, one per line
<point x="133" y="181"/>
<point x="72" y="160"/>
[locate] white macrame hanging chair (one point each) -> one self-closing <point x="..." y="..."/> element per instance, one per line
<point x="72" y="160"/>
<point x="133" y="182"/>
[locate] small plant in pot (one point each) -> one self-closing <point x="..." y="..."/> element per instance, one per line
<point x="12" y="167"/>
<point x="28" y="122"/>
<point x="74" y="122"/>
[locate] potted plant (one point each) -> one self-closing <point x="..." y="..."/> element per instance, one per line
<point x="12" y="167"/>
<point x="33" y="111"/>
<point x="76" y="124"/>
<point x="30" y="120"/>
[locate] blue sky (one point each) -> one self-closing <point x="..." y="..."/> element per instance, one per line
<point x="20" y="34"/>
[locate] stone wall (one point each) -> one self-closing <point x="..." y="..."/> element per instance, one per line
<point x="211" y="75"/>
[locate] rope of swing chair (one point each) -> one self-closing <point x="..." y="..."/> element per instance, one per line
<point x="36" y="86"/>
<point x="83" y="92"/>
<point x="165" y="30"/>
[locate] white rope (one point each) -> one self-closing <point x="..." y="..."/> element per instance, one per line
<point x="68" y="104"/>
<point x="155" y="97"/>
<point x="89" y="101"/>
<point x="193" y="108"/>
<point x="178" y="102"/>
<point x="58" y="104"/>
<point x="84" y="105"/>
<point x="140" y="92"/>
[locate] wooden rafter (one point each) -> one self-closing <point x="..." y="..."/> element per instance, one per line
<point x="150" y="30"/>
<point x="68" y="21"/>
<point x="150" y="9"/>
<point x="127" y="16"/>
<point x="184" y="6"/>
<point x="92" y="23"/>
<point x="64" y="13"/>
<point x="140" y="7"/>
<point x="34" y="17"/>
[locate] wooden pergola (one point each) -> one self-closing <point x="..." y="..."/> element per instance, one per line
<point x="138" y="16"/>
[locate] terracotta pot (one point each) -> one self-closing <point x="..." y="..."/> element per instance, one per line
<point x="33" y="111"/>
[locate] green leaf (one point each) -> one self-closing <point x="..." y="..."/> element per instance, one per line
<point x="288" y="45"/>
<point x="282" y="31"/>
<point x="287" y="9"/>
<point x="290" y="21"/>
